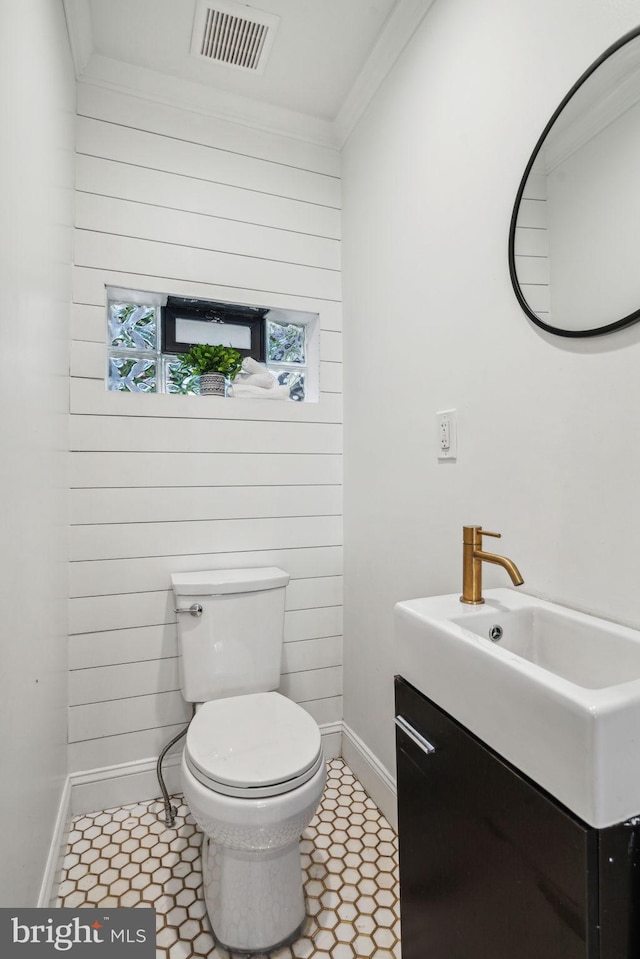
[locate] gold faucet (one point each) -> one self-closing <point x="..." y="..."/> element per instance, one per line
<point x="473" y="556"/>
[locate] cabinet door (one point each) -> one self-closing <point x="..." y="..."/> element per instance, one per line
<point x="619" y="890"/>
<point x="490" y="866"/>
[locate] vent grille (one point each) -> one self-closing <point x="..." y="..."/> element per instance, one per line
<point x="233" y="34"/>
<point x="231" y="40"/>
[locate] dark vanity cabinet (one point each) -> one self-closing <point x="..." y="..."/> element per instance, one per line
<point x="491" y="866"/>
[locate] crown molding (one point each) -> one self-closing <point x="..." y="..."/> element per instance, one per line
<point x="208" y="101"/>
<point x="96" y="69"/>
<point x="78" y="16"/>
<point x="402" y="23"/>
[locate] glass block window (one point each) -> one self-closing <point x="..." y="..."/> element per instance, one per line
<point x="176" y="380"/>
<point x="285" y="343"/>
<point x="294" y="380"/>
<point x="132" y="326"/>
<point x="135" y="337"/>
<point x="132" y="374"/>
<point x="286" y="355"/>
<point x="133" y="340"/>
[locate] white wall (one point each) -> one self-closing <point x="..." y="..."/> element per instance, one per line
<point x="37" y="100"/>
<point x="548" y="436"/>
<point x="173" y="202"/>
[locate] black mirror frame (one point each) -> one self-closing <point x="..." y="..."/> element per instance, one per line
<point x="610" y="327"/>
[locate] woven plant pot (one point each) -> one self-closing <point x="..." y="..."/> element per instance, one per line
<point x="213" y="384"/>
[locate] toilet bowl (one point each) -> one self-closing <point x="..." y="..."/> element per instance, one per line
<point x="253" y="773"/>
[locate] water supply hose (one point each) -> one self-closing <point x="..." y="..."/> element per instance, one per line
<point x="170" y="811"/>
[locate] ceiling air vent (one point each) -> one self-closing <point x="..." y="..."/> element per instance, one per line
<point x="233" y="34"/>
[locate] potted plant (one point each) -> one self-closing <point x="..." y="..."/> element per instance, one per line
<point x="215" y="365"/>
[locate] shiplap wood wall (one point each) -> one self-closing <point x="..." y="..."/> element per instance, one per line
<point x="175" y="202"/>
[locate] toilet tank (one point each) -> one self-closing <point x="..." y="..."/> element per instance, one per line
<point x="235" y="645"/>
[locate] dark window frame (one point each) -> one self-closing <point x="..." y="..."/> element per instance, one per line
<point x="208" y="311"/>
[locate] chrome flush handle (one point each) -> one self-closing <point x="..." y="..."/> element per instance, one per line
<point x="195" y="609"/>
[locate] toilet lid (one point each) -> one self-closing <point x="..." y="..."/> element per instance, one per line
<point x="261" y="744"/>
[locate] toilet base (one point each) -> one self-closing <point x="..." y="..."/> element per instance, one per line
<point x="234" y="951"/>
<point x="254" y="900"/>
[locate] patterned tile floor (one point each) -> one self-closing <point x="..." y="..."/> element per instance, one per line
<point x="128" y="857"/>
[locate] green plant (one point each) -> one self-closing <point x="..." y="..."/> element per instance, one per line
<point x="203" y="358"/>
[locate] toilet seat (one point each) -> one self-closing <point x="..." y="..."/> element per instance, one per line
<point x="253" y="746"/>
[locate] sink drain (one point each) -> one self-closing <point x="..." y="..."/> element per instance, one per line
<point x="495" y="634"/>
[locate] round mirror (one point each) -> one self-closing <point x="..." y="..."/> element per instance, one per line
<point x="574" y="241"/>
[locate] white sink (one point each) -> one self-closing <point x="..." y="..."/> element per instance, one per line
<point x="558" y="695"/>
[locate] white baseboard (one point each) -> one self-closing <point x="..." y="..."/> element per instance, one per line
<point x="332" y="739"/>
<point x="96" y="789"/>
<point x="59" y="839"/>
<point x="375" y="778"/>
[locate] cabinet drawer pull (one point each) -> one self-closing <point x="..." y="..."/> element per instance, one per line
<point x="414" y="735"/>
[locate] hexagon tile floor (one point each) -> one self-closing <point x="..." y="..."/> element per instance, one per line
<point x="128" y="857"/>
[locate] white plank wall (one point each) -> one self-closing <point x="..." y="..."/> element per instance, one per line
<point x="173" y="202"/>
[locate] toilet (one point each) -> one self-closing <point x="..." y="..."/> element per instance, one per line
<point x="253" y="769"/>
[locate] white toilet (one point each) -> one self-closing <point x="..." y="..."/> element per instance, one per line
<point x="253" y="770"/>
